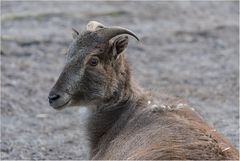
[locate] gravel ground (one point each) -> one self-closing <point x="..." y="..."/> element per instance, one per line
<point x="187" y="49"/>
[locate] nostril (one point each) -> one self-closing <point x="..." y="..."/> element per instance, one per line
<point x="53" y="97"/>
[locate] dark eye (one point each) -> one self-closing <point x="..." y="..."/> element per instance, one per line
<point x="93" y="61"/>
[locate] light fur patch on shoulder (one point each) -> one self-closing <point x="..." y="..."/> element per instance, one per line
<point x="164" y="107"/>
<point x="159" y="108"/>
<point x="156" y="107"/>
<point x="182" y="105"/>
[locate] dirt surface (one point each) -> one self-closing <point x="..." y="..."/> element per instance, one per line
<point x="187" y="49"/>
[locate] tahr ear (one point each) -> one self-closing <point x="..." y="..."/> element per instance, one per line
<point x="75" y="33"/>
<point x="119" y="45"/>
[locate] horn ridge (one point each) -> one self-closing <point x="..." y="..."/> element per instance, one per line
<point x="109" y="32"/>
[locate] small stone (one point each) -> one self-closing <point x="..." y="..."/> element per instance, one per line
<point x="149" y="102"/>
<point x="42" y="115"/>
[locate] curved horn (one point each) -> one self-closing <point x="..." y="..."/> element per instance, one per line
<point x="94" y="26"/>
<point x="109" y="32"/>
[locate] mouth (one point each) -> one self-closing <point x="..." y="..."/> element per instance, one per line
<point x="62" y="106"/>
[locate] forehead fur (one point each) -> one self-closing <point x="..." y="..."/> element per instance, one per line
<point x="85" y="43"/>
<point x="88" y="39"/>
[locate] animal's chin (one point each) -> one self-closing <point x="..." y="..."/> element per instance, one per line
<point x="64" y="105"/>
<point x="75" y="102"/>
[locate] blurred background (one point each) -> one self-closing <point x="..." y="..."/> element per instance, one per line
<point x="188" y="49"/>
